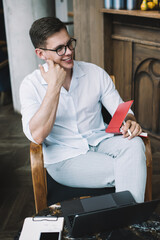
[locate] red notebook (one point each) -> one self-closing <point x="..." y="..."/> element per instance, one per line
<point x="118" y="117"/>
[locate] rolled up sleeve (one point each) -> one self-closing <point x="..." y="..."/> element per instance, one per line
<point x="29" y="106"/>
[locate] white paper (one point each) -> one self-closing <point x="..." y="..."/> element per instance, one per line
<point x="33" y="227"/>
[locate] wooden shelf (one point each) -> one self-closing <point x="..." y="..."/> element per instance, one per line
<point x="136" y="13"/>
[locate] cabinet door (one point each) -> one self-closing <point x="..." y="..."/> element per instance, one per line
<point x="146" y="65"/>
<point x="122" y="68"/>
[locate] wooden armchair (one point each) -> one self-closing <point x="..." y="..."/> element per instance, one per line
<point x="40" y="177"/>
<point x="47" y="191"/>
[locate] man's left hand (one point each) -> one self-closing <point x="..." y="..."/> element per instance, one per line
<point x="134" y="128"/>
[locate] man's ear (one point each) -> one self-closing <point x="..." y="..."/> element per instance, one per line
<point x="40" y="53"/>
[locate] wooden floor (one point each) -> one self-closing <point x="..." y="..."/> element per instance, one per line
<point x="16" y="201"/>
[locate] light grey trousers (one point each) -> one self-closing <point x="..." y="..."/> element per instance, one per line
<point x="116" y="161"/>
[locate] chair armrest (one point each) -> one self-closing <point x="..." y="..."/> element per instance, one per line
<point x="38" y="176"/>
<point x="148" y="152"/>
<point x="148" y="192"/>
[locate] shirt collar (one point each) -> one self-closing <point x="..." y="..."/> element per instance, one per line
<point x="78" y="72"/>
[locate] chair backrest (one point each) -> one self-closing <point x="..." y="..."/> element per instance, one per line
<point x="113" y="79"/>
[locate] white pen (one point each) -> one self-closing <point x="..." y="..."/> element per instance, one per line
<point x="130" y="134"/>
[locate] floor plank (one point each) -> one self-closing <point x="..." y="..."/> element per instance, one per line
<point x="17" y="201"/>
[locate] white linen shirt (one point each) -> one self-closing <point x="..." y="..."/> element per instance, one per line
<point x="79" y="122"/>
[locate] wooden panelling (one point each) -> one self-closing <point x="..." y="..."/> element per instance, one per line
<point x="146" y="65"/>
<point x="143" y="100"/>
<point x="134" y="32"/>
<point x="88" y="29"/>
<point x="122" y="67"/>
<point x="142" y="52"/>
<point x="136" y="64"/>
<point x="108" y="46"/>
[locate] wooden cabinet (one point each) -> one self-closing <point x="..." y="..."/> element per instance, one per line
<point x="127" y="45"/>
<point x="132" y="46"/>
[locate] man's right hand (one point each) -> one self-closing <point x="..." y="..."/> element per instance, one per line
<point x="55" y="76"/>
<point x="42" y="122"/>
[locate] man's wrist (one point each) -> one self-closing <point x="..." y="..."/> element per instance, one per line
<point x="130" y="117"/>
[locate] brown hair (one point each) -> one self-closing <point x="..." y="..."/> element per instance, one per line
<point x="43" y="28"/>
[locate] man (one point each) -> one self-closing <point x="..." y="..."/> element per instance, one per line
<point x="61" y="109"/>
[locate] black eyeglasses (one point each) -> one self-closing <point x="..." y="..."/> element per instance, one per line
<point x="61" y="50"/>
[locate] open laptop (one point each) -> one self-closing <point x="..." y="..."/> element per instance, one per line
<point x="106" y="212"/>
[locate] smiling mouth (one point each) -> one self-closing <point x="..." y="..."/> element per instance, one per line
<point x="68" y="59"/>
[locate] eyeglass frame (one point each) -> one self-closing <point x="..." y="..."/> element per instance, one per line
<point x="65" y="46"/>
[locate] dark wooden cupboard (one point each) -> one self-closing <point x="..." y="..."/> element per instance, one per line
<point x="132" y="47"/>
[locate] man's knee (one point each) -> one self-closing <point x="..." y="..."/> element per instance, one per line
<point x="137" y="144"/>
<point x="138" y="151"/>
<point x="135" y="150"/>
